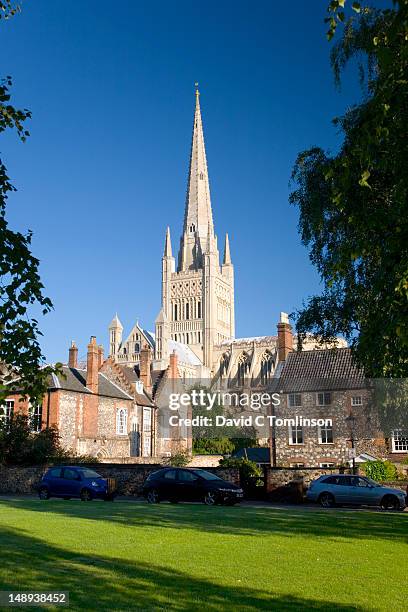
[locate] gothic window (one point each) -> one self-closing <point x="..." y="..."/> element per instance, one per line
<point x="266" y="367"/>
<point x="224" y="364"/>
<point x="175" y="312"/>
<point x="137" y="347"/>
<point x="198" y="310"/>
<point x="187" y="339"/>
<point x="243" y="368"/>
<point x="201" y="176"/>
<point x="192" y="227"/>
<point x="187" y="310"/>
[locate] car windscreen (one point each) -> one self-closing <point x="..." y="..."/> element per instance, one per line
<point x="207" y="475"/>
<point x="90" y="474"/>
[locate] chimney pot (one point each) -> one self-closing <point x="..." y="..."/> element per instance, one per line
<point x="73" y="355"/>
<point x="285" y="337"/>
<point x="92" y="366"/>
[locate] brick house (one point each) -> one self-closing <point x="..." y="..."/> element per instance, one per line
<point x="96" y="409"/>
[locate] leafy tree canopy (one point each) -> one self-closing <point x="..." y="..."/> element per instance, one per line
<point x="353" y="205"/>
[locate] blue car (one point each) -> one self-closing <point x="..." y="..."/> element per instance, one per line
<point x="74" y="481"/>
<point x="329" y="490"/>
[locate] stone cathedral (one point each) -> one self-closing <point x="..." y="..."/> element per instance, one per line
<point x="197" y="320"/>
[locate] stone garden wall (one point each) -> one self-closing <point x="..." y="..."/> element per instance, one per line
<point x="129" y="477"/>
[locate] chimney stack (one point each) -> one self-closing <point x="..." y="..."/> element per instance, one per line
<point x="145" y="375"/>
<point x="73" y="355"/>
<point x="173" y="367"/>
<point x="101" y="358"/>
<point x="285" y="337"/>
<point x="92" y="363"/>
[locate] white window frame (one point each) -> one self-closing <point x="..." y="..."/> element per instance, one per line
<point x="399" y="442"/>
<point x="325" y="428"/>
<point x="297" y="466"/>
<point x="35" y="414"/>
<point x="356" y="400"/>
<point x="327" y="465"/>
<point x="292" y="429"/>
<point x="294" y="396"/>
<point x="6" y="411"/>
<point x="324" y="403"/>
<point x="121" y="421"/>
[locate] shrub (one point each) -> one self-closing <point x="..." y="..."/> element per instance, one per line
<point x="21" y="446"/>
<point x="380" y="470"/>
<point x="248" y="470"/>
<point x="179" y="459"/>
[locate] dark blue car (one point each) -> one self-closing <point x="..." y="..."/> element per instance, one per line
<point x="74" y="481"/>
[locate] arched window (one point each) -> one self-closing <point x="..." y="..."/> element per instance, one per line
<point x="243" y="368"/>
<point x="175" y="312"/>
<point x="187" y="310"/>
<point x="198" y="310"/>
<point x="224" y="364"/>
<point x="266" y="367"/>
<point x="121" y="422"/>
<point x="192" y="227"/>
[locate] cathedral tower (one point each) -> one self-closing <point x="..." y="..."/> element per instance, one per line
<point x="198" y="298"/>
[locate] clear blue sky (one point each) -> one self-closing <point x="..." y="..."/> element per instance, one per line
<point x="111" y="89"/>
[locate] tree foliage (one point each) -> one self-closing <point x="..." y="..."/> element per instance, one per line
<point x="21" y="446"/>
<point x="353" y="205"/>
<point x="20" y="283"/>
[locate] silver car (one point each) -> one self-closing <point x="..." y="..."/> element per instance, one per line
<point x="333" y="489"/>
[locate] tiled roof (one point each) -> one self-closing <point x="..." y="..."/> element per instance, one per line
<point x="74" y="379"/>
<point x="319" y="370"/>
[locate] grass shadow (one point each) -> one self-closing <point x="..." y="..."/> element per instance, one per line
<point x="101" y="583"/>
<point x="235" y="521"/>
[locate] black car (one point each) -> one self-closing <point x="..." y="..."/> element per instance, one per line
<point x="73" y="481"/>
<point x="181" y="484"/>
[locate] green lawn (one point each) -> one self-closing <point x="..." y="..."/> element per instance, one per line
<point x="130" y="556"/>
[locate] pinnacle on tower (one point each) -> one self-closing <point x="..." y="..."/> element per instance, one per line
<point x="167" y="244"/>
<point x="227" y="254"/>
<point x="115" y="323"/>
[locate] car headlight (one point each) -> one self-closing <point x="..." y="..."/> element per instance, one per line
<point x="95" y="484"/>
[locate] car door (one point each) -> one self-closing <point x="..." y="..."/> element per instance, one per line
<point x="53" y="480"/>
<point x="168" y="485"/>
<point x="342" y="489"/>
<point x="363" y="492"/>
<point x="71" y="482"/>
<point x="188" y="485"/>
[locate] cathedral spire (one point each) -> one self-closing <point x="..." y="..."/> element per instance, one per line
<point x="227" y="254"/>
<point x="167" y="244"/>
<point x="198" y="220"/>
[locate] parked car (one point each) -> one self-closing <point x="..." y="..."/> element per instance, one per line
<point x="74" y="481"/>
<point x="182" y="484"/>
<point x="356" y="490"/>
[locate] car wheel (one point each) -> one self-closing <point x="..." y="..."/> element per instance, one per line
<point x="326" y="500"/>
<point x="209" y="498"/>
<point x="389" y="502"/>
<point x="86" y="495"/>
<point x="43" y="493"/>
<point x="153" y="496"/>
